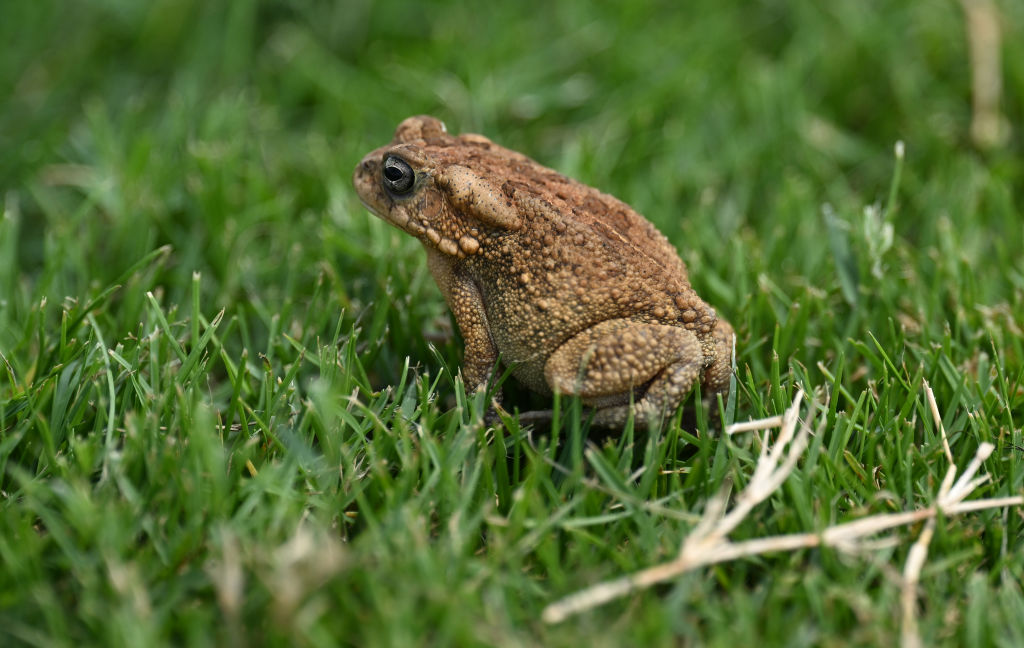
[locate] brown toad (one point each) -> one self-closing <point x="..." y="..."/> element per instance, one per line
<point x="570" y="287"/>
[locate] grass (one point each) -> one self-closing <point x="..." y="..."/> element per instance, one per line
<point x="227" y="395"/>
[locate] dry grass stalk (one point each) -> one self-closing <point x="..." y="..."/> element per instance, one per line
<point x="988" y="127"/>
<point x="910" y="636"/>
<point x="933" y="406"/>
<point x="708" y="543"/>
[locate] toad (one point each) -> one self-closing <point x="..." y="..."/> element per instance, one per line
<point x="569" y="287"/>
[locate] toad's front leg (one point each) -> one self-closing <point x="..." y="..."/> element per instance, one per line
<point x="467" y="305"/>
<point x="615" y="361"/>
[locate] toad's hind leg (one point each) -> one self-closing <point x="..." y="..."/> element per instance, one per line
<point x="606" y="366"/>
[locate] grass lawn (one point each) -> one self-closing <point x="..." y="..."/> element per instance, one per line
<point x="229" y="404"/>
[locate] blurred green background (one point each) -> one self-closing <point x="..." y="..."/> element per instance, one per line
<point x="757" y="135"/>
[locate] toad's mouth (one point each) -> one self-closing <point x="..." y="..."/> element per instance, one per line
<point x="370" y="208"/>
<point x="397" y="218"/>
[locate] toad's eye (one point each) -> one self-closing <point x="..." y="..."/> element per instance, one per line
<point x="398" y="176"/>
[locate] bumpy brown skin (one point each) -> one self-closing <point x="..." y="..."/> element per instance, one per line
<point x="574" y="290"/>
